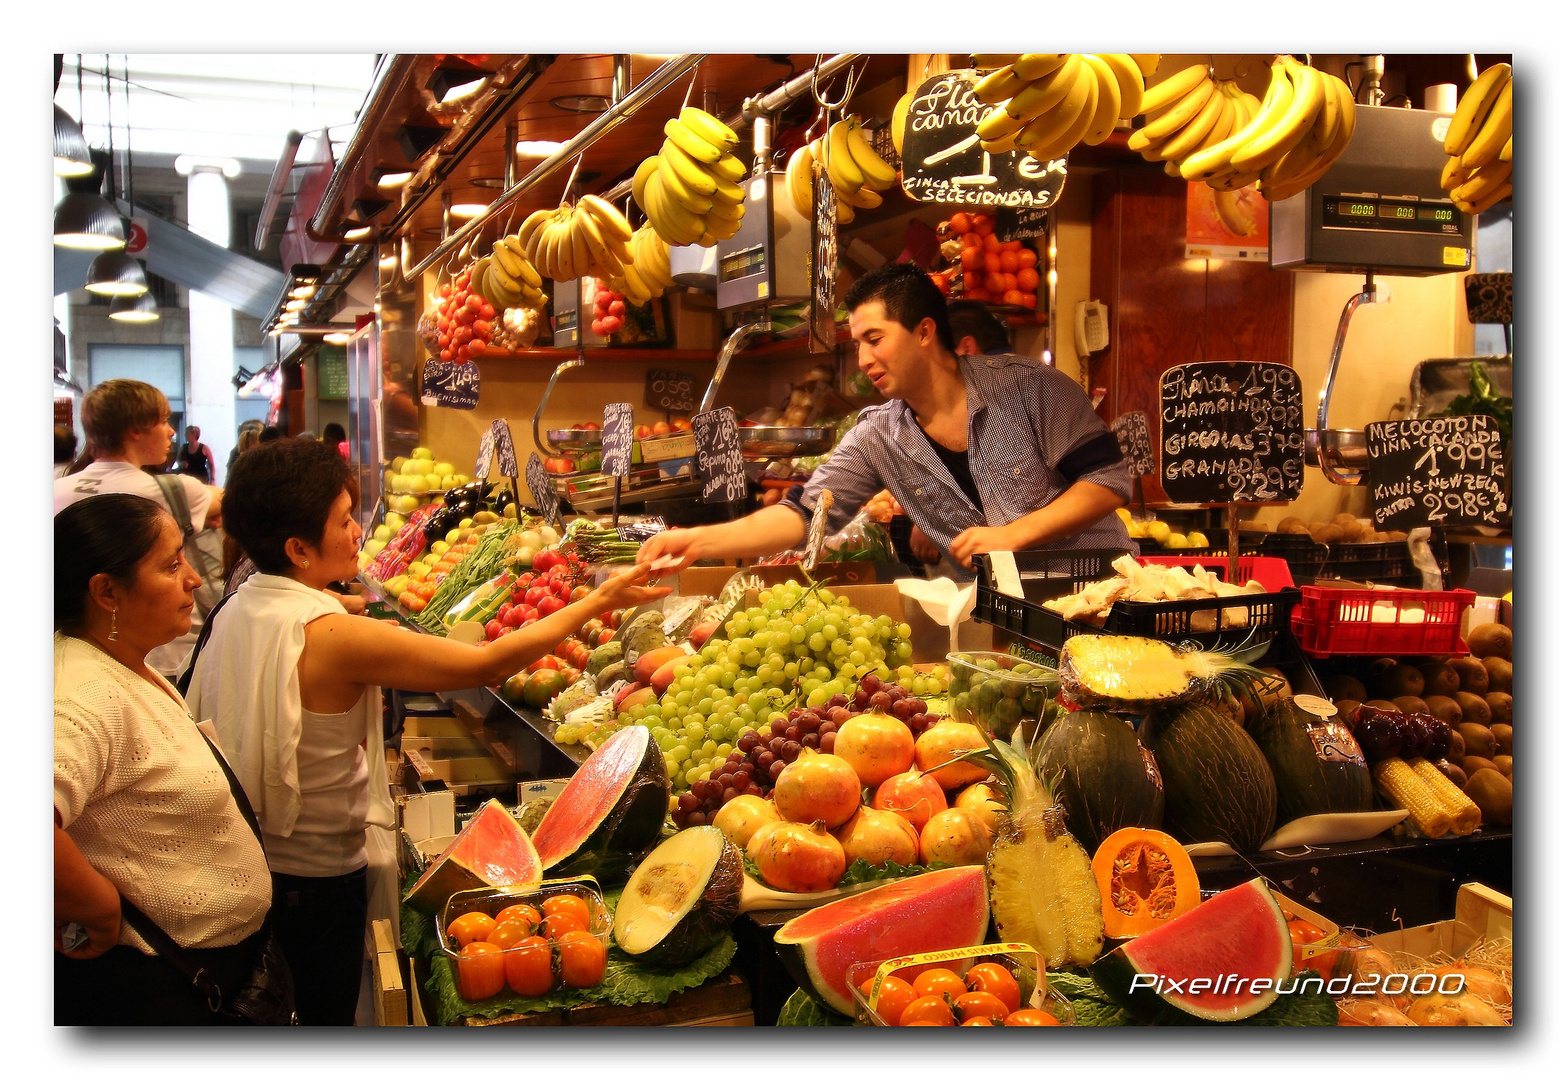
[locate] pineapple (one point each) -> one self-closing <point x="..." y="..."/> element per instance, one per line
<point x="1042" y="888"/>
<point x="1121" y="673"/>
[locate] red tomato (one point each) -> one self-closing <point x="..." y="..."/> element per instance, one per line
<point x="482" y="327"/>
<point x="562" y="589"/>
<point x="476" y="348"/>
<point x="995" y="979"/>
<point x="510" y="933"/>
<point x="475" y="302"/>
<point x="493" y="628"/>
<point x="474" y="926"/>
<point x="534" y="594"/>
<point x="617" y="308"/>
<point x="561" y="923"/>
<point x="977" y="1003"/>
<point x="581" y="592"/>
<point x="549" y="605"/>
<point x="524" y="913"/>
<point x="582" y="959"/>
<point x="896" y="995"/>
<point x="570" y="904"/>
<point x="551" y="662"/>
<point x="530" y="967"/>
<point x="465" y="316"/>
<point x="481" y="970"/>
<point x="486" y="310"/>
<point x="1031" y="1018"/>
<point x="930" y="1009"/>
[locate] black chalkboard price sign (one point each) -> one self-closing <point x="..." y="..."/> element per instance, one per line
<point x="486" y="454"/>
<point x="543" y="489"/>
<point x="1136" y="442"/>
<point x="671" y="391"/>
<point x="1442" y="468"/>
<point x="1020" y="223"/>
<point x="450" y="385"/>
<point x="823" y="262"/>
<point x="1231" y="432"/>
<point x="617" y="433"/>
<point x="719" y="465"/>
<point x="505" y="449"/>
<point x="944" y="163"/>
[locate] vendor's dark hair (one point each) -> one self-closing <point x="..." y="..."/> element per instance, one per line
<point x="971" y="318"/>
<point x="908" y="295"/>
<point x="103" y="534"/>
<point x="282" y="490"/>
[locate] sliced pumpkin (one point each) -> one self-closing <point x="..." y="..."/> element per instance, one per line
<point x="680" y="901"/>
<point x="1146" y="879"/>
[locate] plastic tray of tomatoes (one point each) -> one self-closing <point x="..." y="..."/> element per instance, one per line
<point x="530" y="939"/>
<point x="986" y="986"/>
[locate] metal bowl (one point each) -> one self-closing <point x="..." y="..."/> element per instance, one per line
<point x="1345" y="447"/>
<point x="575" y="439"/>
<point x="781" y="442"/>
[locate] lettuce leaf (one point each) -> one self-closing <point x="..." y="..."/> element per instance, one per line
<point x="801" y="1010"/>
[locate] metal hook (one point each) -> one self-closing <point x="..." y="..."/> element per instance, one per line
<point x="815" y="87"/>
<point x="1237" y="74"/>
<point x="689" y="89"/>
<point x="576" y="167"/>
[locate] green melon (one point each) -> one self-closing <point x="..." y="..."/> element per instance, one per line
<point x="1100" y="775"/>
<point x="1317" y="765"/>
<point x="1217" y="783"/>
<point x="680" y="901"/>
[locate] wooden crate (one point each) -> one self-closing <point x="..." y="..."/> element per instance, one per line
<point x="391" y="992"/>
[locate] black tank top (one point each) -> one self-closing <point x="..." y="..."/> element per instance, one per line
<point x="194" y="462"/>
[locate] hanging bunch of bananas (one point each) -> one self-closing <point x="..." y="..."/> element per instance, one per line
<point x="857" y="172"/>
<point x="1478" y="169"/>
<point x="1190" y="111"/>
<point x="646" y="275"/>
<point x="507" y="278"/>
<point x="569" y="242"/>
<point x="1047" y="103"/>
<point x="1304" y="122"/>
<point x="690" y="189"/>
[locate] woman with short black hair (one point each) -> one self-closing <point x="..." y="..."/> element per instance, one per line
<point x="292" y="683"/>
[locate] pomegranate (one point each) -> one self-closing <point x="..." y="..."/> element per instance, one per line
<point x="879" y="837"/>
<point x="980" y="798"/>
<point x="944" y="740"/>
<point x="742" y="815"/>
<point x="878" y="746"/>
<point x="955" y="836"/>
<point x="817" y="787"/>
<point x="913" y="796"/>
<point x="795" y="857"/>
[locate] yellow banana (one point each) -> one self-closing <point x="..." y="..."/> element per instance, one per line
<point x="1280" y="96"/>
<point x="1485" y="179"/>
<point x="1039" y="97"/>
<point x="721" y="229"/>
<point x="900" y="121"/>
<point x="676" y="224"/>
<point x="692" y="143"/>
<point x="863" y="199"/>
<point x="609" y="216"/>
<point x="986" y="61"/>
<point x="997" y="124"/>
<point x="797" y="179"/>
<point x="1453" y="173"/>
<point x="846" y="174"/>
<point x="529" y="274"/>
<point x="530" y="225"/>
<point x="1047" y="129"/>
<point x="531" y="297"/>
<point x="636" y="283"/>
<point x="1275" y="141"/>
<point x="1502" y="192"/>
<point x="722" y="137"/>
<point x="1146" y="63"/>
<point x="998" y="85"/>
<point x="1031" y="66"/>
<point x="1493" y="133"/>
<point x="1047" y="150"/>
<point x="675" y="187"/>
<point x="1181" y="113"/>
<point x="1338" y="140"/>
<point x="597" y="247"/>
<point x="687" y="170"/>
<point x="548" y="238"/>
<point x="478" y="274"/>
<point x="1506" y="151"/>
<point x="878" y="174"/>
<point x="639" y="181"/>
<point x="1234" y="219"/>
<point x="509" y="260"/>
<point x="1475" y="106"/>
<point x="1129" y="76"/>
<point x="1229" y="180"/>
<point x="1159" y="96"/>
<point x="1303" y="157"/>
<point x="1004" y="145"/>
<point x="1194" y="134"/>
<point x="501" y="293"/>
<point x="723" y="211"/>
<point x="1108" y="110"/>
<point x="730" y="168"/>
<point x="581" y="253"/>
<point x="1144" y="144"/>
<point x="845" y="213"/>
<point x="1172" y="168"/>
<point x="727" y="194"/>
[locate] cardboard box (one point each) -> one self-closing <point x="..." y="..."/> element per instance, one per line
<point x="1481" y="913"/>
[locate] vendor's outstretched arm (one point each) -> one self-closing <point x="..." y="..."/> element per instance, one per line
<point x="765" y="532"/>
<point x="1082" y="504"/>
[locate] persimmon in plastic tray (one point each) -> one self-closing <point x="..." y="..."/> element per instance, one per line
<point x="1380" y="622"/>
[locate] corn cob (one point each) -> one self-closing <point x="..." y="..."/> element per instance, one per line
<point x="1399" y="782"/>
<point x="1464" y="811"/>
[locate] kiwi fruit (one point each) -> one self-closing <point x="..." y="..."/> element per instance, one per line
<point x="1454" y="772"/>
<point x="1293" y="525"/>
<point x="1500" y="708"/>
<point x="1491" y="639"/>
<point x="1378" y="668"/>
<point x="1503" y="764"/>
<point x="1500" y="672"/>
<point x="1401" y="680"/>
<point x="1459" y="747"/>
<point x="1444" y="708"/>
<point x="1492" y="792"/>
<point x="1383" y="704"/>
<point x="1478" y="740"/>
<point x="1471" y="675"/>
<point x="1339" y="687"/>
<point x="1440" y="679"/>
<point x="1410" y="704"/>
<point x="1475" y="709"/>
<point x="1503" y="738"/>
<point x="1473" y="764"/>
<point x="1326" y="534"/>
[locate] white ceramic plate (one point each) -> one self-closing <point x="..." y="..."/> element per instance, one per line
<point x="1315" y="830"/>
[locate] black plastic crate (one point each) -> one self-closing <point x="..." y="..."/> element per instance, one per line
<point x="1267" y="614"/>
<point x="1386" y="563"/>
<point x="1304" y="556"/>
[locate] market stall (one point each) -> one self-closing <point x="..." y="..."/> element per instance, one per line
<point x="1278" y="730"/>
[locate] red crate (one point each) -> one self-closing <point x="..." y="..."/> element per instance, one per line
<point x="1339" y="622"/>
<point x="1272" y="573"/>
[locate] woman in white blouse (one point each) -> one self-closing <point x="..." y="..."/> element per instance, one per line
<point x="142" y="808"/>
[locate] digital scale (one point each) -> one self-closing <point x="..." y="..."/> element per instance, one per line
<point x="768" y="259"/>
<point x="1380" y="207"/>
<point x="568" y="305"/>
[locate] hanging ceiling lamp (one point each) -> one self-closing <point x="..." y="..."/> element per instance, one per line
<point x="139" y="309"/>
<point x="115" y="273"/>
<point x="86" y="220"/>
<point x="71" y="156"/>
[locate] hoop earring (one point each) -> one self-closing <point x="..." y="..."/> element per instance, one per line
<point x="114" y="624"/>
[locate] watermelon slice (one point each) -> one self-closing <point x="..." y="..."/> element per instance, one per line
<point x="610" y="812"/>
<point x="1237" y="942"/>
<point x="943" y="909"/>
<point x="491" y="849"/>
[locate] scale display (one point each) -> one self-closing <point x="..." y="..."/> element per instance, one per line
<point x="741" y="264"/>
<point x="1388" y="215"/>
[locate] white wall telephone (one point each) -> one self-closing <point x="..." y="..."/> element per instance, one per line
<point x="1092" y="326"/>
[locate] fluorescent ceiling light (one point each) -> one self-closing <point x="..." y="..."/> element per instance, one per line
<point x="467" y="210"/>
<point x="336" y="339"/>
<point x="537" y="148"/>
<point x="393" y="179"/>
<point x="357" y="234"/>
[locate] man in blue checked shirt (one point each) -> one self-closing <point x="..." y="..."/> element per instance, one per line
<point x="985" y="453"/>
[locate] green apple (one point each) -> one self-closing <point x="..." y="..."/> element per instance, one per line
<point x="461" y="479"/>
<point x="424" y="453"/>
<point x="373" y="548"/>
<point x="453" y="537"/>
<point x="443" y="468"/>
<point x="418" y="485"/>
<point x="404" y="504"/>
<point x="410" y="467"/>
<point x="397" y="463"/>
<point x="382" y="533"/>
<point x="440" y="547"/>
<point x="395" y="522"/>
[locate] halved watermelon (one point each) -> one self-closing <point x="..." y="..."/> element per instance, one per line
<point x="491" y="849"/>
<point x="943" y="909"/>
<point x="610" y="812"/>
<point x="1225" y="959"/>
